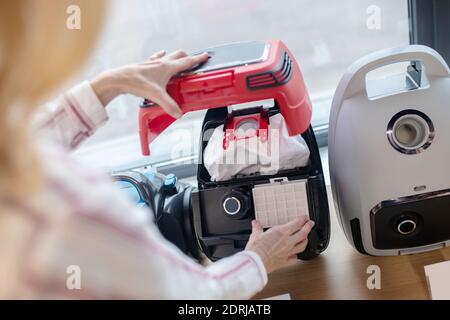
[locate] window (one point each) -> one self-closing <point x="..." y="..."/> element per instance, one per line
<point x="325" y="37"/>
<point x="430" y="25"/>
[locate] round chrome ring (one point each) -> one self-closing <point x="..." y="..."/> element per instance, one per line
<point x="416" y="121"/>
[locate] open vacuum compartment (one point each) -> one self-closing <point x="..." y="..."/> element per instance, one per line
<point x="223" y="210"/>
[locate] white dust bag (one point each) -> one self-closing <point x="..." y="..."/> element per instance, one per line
<point x="252" y="156"/>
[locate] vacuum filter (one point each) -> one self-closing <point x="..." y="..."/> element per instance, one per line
<point x="389" y="150"/>
<point x="280" y="201"/>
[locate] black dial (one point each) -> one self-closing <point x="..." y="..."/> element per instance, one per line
<point x="236" y="204"/>
<point x="231" y="205"/>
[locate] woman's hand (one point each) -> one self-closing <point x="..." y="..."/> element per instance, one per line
<point x="147" y="80"/>
<point x="279" y="245"/>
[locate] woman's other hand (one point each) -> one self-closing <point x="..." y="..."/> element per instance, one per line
<point x="147" y="80"/>
<point x="279" y="245"/>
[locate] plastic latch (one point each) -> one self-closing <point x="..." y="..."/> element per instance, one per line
<point x="170" y="183"/>
<point x="279" y="180"/>
<point x="207" y="83"/>
<point x="232" y="124"/>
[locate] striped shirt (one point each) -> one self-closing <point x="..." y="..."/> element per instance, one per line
<point x="80" y="237"/>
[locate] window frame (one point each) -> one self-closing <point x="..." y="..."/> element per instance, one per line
<point x="429" y="24"/>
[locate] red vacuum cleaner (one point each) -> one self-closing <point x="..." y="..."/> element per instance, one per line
<point x="235" y="73"/>
<point x="214" y="218"/>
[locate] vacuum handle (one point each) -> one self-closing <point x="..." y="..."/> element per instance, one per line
<point x="152" y="121"/>
<point x="432" y="61"/>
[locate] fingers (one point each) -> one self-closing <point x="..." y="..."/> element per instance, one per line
<point x="188" y="62"/>
<point x="299" y="247"/>
<point x="257" y="229"/>
<point x="302" y="234"/>
<point x="176" y="55"/>
<point x="292" y="260"/>
<point x="165" y="101"/>
<point x="171" y="56"/>
<point x="157" y="55"/>
<point x="295" y="225"/>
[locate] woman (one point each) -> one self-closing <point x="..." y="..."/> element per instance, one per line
<point x="65" y="231"/>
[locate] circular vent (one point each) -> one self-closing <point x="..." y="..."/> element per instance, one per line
<point x="410" y="131"/>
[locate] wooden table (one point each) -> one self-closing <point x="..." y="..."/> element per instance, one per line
<point x="341" y="273"/>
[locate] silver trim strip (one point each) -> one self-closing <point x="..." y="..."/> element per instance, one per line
<point x="422" y="249"/>
<point x="231" y="64"/>
<point x="409" y="199"/>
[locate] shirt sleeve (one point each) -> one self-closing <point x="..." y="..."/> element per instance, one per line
<point x="239" y="276"/>
<point x="72" y="117"/>
<point x="121" y="254"/>
<point x="116" y="248"/>
<point x="116" y="265"/>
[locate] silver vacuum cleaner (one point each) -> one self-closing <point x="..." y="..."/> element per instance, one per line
<point x="389" y="153"/>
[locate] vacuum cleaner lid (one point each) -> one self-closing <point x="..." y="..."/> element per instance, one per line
<point x="231" y="55"/>
<point x="235" y="73"/>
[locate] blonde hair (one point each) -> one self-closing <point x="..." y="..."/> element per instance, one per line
<point x="37" y="52"/>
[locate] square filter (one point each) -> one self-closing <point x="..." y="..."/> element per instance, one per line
<point x="279" y="202"/>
